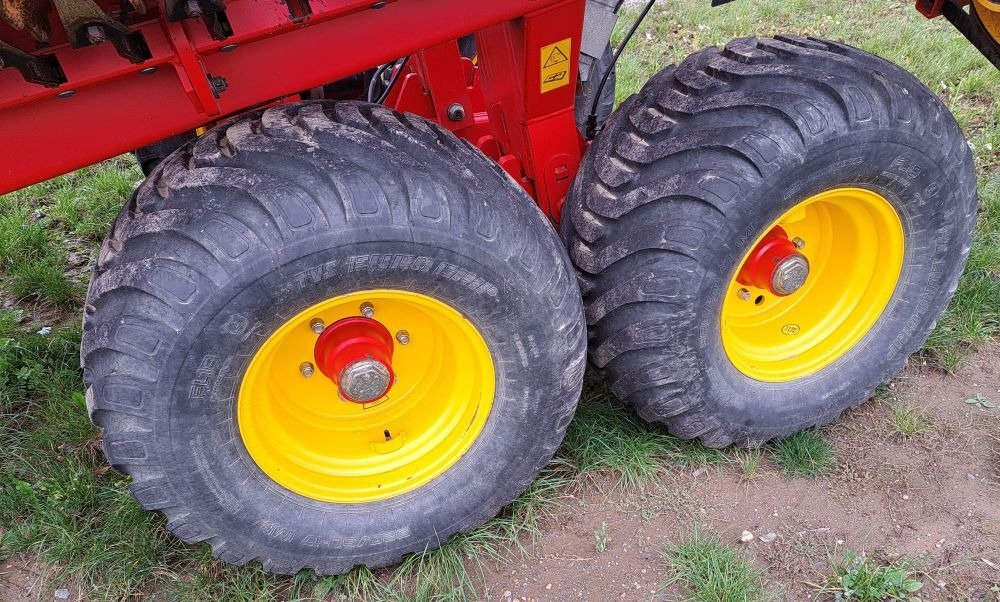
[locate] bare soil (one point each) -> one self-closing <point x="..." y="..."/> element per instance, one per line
<point x="933" y="497"/>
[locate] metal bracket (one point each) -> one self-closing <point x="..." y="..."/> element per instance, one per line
<point x="40" y="69"/>
<point x="953" y="11"/>
<point x="598" y="22"/>
<point x="87" y="24"/>
<point x="213" y="12"/>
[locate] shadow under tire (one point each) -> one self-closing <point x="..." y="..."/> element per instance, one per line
<point x="308" y="207"/>
<point x="691" y="172"/>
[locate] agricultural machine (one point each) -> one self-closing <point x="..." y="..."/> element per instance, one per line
<point x="348" y="312"/>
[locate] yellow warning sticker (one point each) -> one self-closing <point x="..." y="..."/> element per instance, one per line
<point x="555" y="65"/>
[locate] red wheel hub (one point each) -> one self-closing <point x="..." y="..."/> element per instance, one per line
<point x="356" y="353"/>
<point x="775" y="265"/>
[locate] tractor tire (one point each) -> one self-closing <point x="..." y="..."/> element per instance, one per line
<point x="856" y="170"/>
<point x="201" y="342"/>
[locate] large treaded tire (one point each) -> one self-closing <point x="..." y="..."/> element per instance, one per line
<point x="265" y="216"/>
<point x="689" y="171"/>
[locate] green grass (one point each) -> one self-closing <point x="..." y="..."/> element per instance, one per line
<point x="804" y="454"/>
<point x="711" y="571"/>
<point x="602" y="538"/>
<point x="40" y="226"/>
<point x="909" y="422"/>
<point x="59" y="503"/>
<point x="606" y="438"/>
<point x="859" y="578"/>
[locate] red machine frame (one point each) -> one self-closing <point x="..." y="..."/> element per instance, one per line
<point x="110" y="105"/>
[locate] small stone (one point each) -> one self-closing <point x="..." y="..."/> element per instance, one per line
<point x="746" y="537"/>
<point x="906" y="497"/>
<point x="62" y="594"/>
<point x="44" y="330"/>
<point x="548" y="586"/>
<point x="699" y="472"/>
<point x="768" y="537"/>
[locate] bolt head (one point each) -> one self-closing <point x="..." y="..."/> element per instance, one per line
<point x="743" y="294"/>
<point x="317" y="326"/>
<point x="456" y="112"/>
<point x="403" y="337"/>
<point x="365" y="380"/>
<point x="96" y="35"/>
<point x="367" y="309"/>
<point x="799" y="243"/>
<point x="790" y="275"/>
<point x="306" y="369"/>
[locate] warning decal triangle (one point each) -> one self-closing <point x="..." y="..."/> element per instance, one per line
<point x="555" y="57"/>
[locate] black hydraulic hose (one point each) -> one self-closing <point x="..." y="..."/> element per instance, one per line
<point x="592" y="117"/>
<point x="392" y="80"/>
<point x="375" y="79"/>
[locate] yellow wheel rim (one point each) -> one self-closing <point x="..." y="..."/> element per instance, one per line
<point x="853" y="240"/>
<point x="989" y="14"/>
<point x="305" y="437"/>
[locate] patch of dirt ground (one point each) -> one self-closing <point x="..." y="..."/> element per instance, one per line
<point x="933" y="497"/>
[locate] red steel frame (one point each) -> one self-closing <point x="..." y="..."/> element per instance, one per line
<point x="117" y="106"/>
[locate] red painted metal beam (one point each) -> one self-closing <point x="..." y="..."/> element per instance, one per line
<point x="115" y="108"/>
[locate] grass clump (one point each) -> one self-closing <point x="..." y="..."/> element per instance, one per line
<point x="602" y="538"/>
<point x="607" y="438"/>
<point x="859" y="578"/>
<point x="711" y="571"/>
<point x="88" y="200"/>
<point x="804" y="454"/>
<point x="909" y="422"/>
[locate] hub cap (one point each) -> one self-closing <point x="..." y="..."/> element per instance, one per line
<point x="377" y="418"/>
<point x="790" y="312"/>
<point x="356" y="353"/>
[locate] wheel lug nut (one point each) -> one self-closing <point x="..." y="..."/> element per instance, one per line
<point x="317" y="325"/>
<point x="403" y="337"/>
<point x="306" y="369"/>
<point x="799" y="243"/>
<point x="367" y="309"/>
<point x="743" y="294"/>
